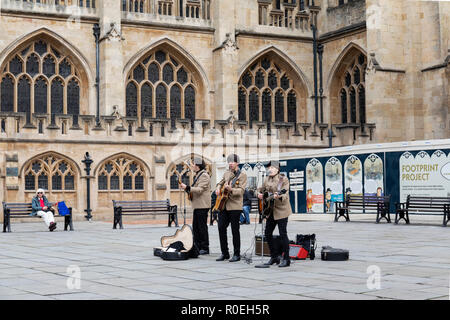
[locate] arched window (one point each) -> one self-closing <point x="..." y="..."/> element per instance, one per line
<point x="121" y="173"/>
<point x="47" y="82"/>
<point x="167" y="88"/>
<point x="352" y="95"/>
<point x="263" y="88"/>
<point x="50" y="172"/>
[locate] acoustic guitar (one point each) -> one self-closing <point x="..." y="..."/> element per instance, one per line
<point x="269" y="203"/>
<point x="223" y="196"/>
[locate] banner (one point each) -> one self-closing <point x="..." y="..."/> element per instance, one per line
<point x="314" y="186"/>
<point x="333" y="183"/>
<point x="353" y="176"/>
<point x="373" y="176"/>
<point x="423" y="175"/>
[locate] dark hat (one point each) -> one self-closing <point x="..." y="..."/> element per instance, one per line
<point x="273" y="163"/>
<point x="233" y="158"/>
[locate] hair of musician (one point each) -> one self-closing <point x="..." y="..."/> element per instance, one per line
<point x="233" y="158"/>
<point x="199" y="162"/>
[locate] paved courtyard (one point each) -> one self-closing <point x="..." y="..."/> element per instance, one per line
<point x="413" y="262"/>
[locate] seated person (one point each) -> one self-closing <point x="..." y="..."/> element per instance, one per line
<point x="43" y="208"/>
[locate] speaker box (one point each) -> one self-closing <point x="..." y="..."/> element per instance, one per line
<point x="258" y="249"/>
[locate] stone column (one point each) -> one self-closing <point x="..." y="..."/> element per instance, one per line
<point x="225" y="59"/>
<point x="112" y="91"/>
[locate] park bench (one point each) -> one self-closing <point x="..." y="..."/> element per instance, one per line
<point x="419" y="205"/>
<point x="366" y="204"/>
<point x="23" y="210"/>
<point x="140" y="208"/>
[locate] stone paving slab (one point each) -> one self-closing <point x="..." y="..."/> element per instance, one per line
<point x="119" y="264"/>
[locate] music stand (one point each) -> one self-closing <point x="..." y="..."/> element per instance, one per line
<point x="262" y="265"/>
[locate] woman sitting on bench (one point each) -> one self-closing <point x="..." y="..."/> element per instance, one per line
<point x="43" y="208"/>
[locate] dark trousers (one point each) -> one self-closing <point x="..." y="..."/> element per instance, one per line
<point x="225" y="218"/>
<point x="200" y="228"/>
<point x="282" y="229"/>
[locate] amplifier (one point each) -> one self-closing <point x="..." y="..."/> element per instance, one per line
<point x="276" y="242"/>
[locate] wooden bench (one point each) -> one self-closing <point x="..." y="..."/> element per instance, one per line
<point x="423" y="206"/>
<point x="140" y="208"/>
<point x="365" y="203"/>
<point x="23" y="210"/>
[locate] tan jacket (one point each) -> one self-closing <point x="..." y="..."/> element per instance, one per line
<point x="201" y="191"/>
<point x="282" y="206"/>
<point x="236" y="198"/>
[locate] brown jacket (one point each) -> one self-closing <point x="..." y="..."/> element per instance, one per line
<point x="282" y="206"/>
<point x="201" y="191"/>
<point x="236" y="198"/>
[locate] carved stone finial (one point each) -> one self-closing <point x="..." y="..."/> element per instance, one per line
<point x="114" y="34"/>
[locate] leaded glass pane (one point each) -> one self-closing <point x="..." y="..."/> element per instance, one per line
<point x="69" y="182"/>
<point x="279" y="107"/>
<point x="267" y="106"/>
<point x="30" y="182"/>
<point x="153" y="73"/>
<point x="56" y="182"/>
<point x="131" y="100"/>
<point x="348" y="79"/>
<point x="254" y="106"/>
<point x="182" y="76"/>
<point x="127" y="182"/>
<point x="242" y="110"/>
<point x="259" y="79"/>
<point x="24" y="96"/>
<point x="40" y="47"/>
<point x="344" y="106"/>
<point x="272" y="82"/>
<point x="7" y="94"/>
<point x="292" y="107"/>
<point x="49" y="67"/>
<point x="161" y="102"/>
<point x="265" y="63"/>
<point x="175" y="103"/>
<point x="284" y="83"/>
<point x="43" y="181"/>
<point x="160" y="56"/>
<point x="57" y="97"/>
<point x="356" y="76"/>
<point x="174" y="182"/>
<point x="65" y="69"/>
<point x="352" y="105"/>
<point x="146" y="101"/>
<point x="32" y="65"/>
<point x="139" y="182"/>
<point x="139" y="73"/>
<point x="189" y="103"/>
<point x="102" y="182"/>
<point x="114" y="182"/>
<point x="247" y="80"/>
<point x="168" y="74"/>
<point x="362" y="104"/>
<point x="73" y="97"/>
<point x="361" y="59"/>
<point x="16" y="66"/>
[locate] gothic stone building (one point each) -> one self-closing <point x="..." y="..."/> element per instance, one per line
<point x="206" y="77"/>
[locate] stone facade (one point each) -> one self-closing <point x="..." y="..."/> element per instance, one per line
<point x="250" y="69"/>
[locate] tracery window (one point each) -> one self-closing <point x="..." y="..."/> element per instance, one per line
<point x="181" y="170"/>
<point x="266" y="93"/>
<point x="165" y="86"/>
<point x="121" y="173"/>
<point x="352" y="95"/>
<point x="50" y="172"/>
<point x="40" y="79"/>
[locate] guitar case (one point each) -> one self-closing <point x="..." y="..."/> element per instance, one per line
<point x="334" y="254"/>
<point x="179" y="246"/>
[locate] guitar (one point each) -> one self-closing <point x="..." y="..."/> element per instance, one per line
<point x="268" y="203"/>
<point x="190" y="197"/>
<point x="223" y="196"/>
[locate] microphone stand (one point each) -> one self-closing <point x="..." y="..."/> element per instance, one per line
<point x="262" y="265"/>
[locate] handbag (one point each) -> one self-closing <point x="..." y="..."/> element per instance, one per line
<point x="62" y="209"/>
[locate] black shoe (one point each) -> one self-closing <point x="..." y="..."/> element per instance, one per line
<point x="52" y="226"/>
<point x="285" y="263"/>
<point x="223" y="257"/>
<point x="272" y="261"/>
<point x="201" y="252"/>
<point x="235" y="258"/>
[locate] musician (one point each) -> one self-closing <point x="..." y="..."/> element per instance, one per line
<point x="201" y="202"/>
<point x="234" y="181"/>
<point x="274" y="183"/>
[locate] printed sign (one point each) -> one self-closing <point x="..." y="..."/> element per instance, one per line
<point x="314" y="186"/>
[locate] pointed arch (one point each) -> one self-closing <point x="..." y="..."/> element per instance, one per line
<point x="282" y="57"/>
<point x="186" y="158"/>
<point x="54" y="154"/>
<point x="124" y="155"/>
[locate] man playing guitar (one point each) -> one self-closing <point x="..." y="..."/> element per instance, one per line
<point x="274" y="184"/>
<point x="200" y="196"/>
<point x="233" y="183"/>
